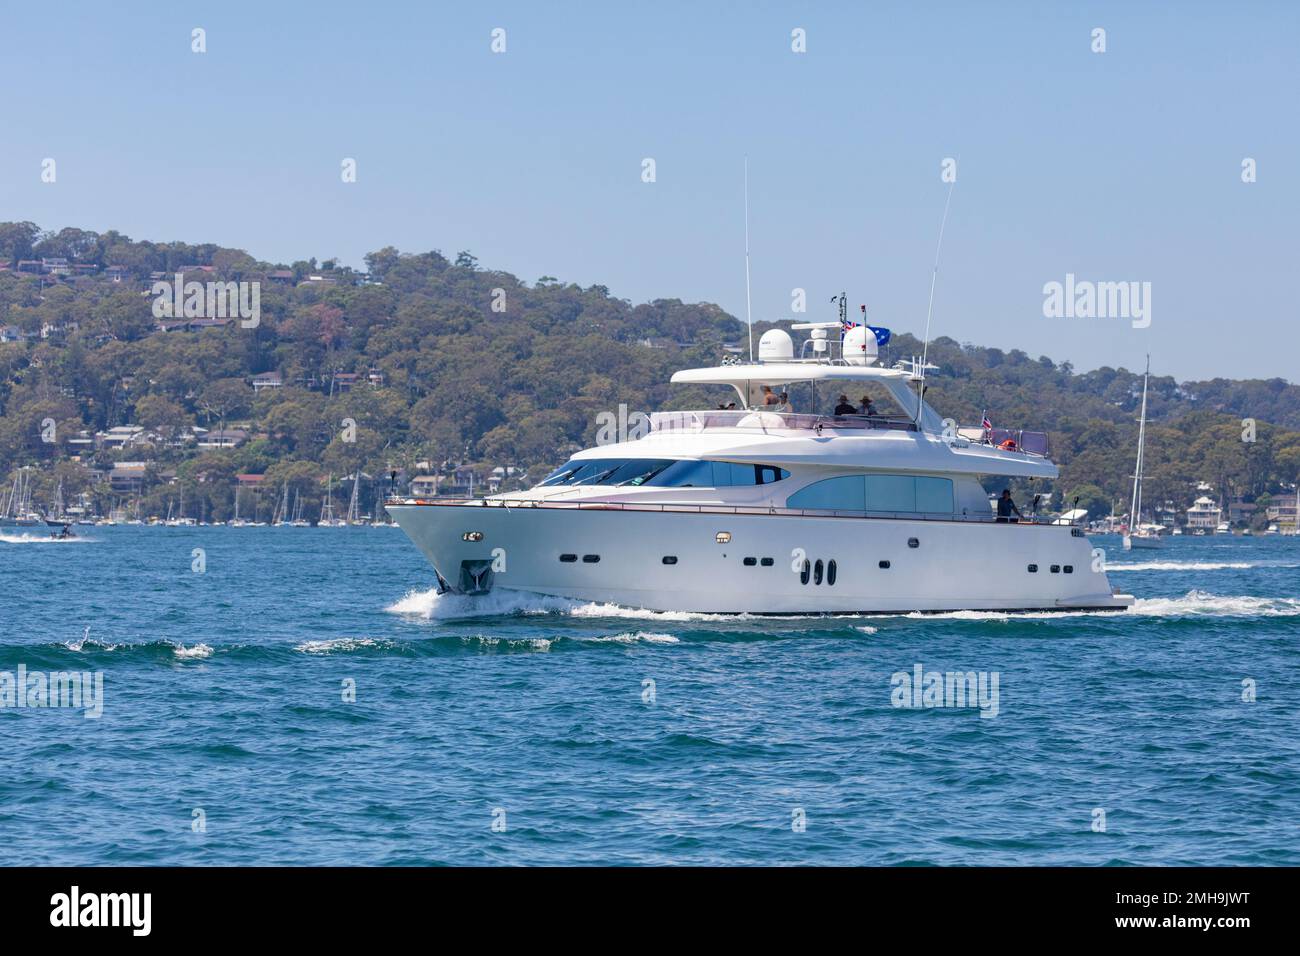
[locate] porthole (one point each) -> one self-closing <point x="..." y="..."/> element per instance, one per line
<point x="472" y="536"/>
<point x="670" y="559"/>
<point x="1056" y="569"/>
<point x="830" y="573"/>
<point x="766" y="562"/>
<point x="1068" y="569"/>
<point x="568" y="558"/>
<point x="913" y="543"/>
<point x="590" y="558"/>
<point x="817" y="572"/>
<point x="884" y="565"/>
<point x="750" y="562"/>
<point x="1033" y="569"/>
<point x="806" y="573"/>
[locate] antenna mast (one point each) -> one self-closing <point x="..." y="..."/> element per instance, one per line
<point x="749" y="316"/>
<point x="934" y="278"/>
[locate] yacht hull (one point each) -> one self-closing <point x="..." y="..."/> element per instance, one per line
<point x="617" y="556"/>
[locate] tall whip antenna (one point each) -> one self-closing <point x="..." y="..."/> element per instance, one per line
<point x="749" y="315"/>
<point x="934" y="278"/>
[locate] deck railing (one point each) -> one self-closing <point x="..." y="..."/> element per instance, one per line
<point x="1030" y="443"/>
<point x="761" y="419"/>
<point x="661" y="507"/>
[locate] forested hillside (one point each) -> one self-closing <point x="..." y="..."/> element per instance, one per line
<point x="444" y="361"/>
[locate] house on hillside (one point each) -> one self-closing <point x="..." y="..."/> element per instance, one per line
<point x="267" y="380"/>
<point x="127" y="477"/>
<point x="425" y="486"/>
<point x="223" y="438"/>
<point x="342" y="382"/>
<point x="121" y="436"/>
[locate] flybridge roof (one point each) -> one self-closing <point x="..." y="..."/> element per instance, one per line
<point x="747" y="380"/>
<point x="783" y="373"/>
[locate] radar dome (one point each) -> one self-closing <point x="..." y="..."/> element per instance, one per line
<point x="775" y="345"/>
<point x="859" y="346"/>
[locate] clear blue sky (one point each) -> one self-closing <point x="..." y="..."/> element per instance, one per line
<point x="1117" y="166"/>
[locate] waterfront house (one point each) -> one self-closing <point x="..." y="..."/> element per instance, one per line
<point x="1203" y="514"/>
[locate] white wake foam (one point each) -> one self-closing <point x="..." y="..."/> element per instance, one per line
<point x="1196" y="565"/>
<point x="639" y="637"/>
<point x="1204" y="604"/>
<point x="339" y="644"/>
<point x="41" y="539"/>
<point x="198" y="651"/>
<point x="431" y="604"/>
<point x="1191" y="604"/>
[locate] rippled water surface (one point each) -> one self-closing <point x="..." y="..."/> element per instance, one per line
<point x="591" y="734"/>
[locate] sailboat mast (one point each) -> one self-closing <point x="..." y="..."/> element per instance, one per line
<point x="1142" y="435"/>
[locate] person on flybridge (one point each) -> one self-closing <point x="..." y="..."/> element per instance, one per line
<point x="769" y="397"/>
<point x="845" y="407"/>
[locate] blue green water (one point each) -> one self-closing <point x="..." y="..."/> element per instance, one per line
<point x="223" y="703"/>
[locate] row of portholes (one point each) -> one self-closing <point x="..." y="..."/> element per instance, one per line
<point x="815" y="571"/>
<point x="1055" y="569"/>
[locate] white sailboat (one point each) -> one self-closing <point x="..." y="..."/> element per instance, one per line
<point x="236" y="521"/>
<point x="18" y="511"/>
<point x="1139" y="535"/>
<point x="298" y="520"/>
<point x="327" y="519"/>
<point x="354" y="505"/>
<point x="281" y="517"/>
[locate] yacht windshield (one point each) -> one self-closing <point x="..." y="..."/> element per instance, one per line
<point x="663" y="473"/>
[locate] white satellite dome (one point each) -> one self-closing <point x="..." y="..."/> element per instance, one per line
<point x="860" y="346"/>
<point x="775" y="345"/>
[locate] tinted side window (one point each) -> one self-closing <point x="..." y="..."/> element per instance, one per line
<point x="934" y="495"/>
<point x="684" y="474"/>
<point x="846" y="493"/>
<point x="891" y="492"/>
<point x="636" y="472"/>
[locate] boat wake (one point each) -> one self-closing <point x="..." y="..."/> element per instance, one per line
<point x="40" y="539"/>
<point x="1197" y="565"/>
<point x="1191" y="604"/>
<point x="88" y="645"/>
<point x="1204" y="604"/>
<point x="434" y="606"/>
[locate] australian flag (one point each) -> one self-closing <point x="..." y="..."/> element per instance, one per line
<point x="882" y="335"/>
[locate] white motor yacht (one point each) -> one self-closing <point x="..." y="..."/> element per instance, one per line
<point x="773" y="512"/>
